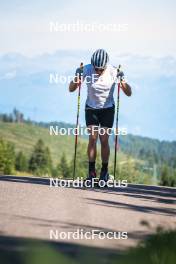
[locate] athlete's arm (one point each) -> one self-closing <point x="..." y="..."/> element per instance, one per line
<point x="74" y="84"/>
<point x="78" y="76"/>
<point x="126" y="88"/>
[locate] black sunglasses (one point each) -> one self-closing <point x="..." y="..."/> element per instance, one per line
<point x="99" y="69"/>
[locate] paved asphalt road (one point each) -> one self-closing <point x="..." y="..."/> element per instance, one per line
<point x="30" y="208"/>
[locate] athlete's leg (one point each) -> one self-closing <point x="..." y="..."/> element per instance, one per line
<point x="92" y="145"/>
<point x="106" y="117"/>
<point x="105" y="152"/>
<point x="92" y="123"/>
<point x="105" y="149"/>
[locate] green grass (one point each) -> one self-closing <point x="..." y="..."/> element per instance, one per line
<point x="157" y="249"/>
<point x="24" y="137"/>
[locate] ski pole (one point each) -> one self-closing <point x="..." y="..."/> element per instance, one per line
<point x="117" y="121"/>
<point x="77" y="125"/>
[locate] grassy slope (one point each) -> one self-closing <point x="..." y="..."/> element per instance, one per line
<point x="25" y="136"/>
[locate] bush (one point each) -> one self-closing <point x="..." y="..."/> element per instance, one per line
<point x="167" y="176"/>
<point x="7" y="157"/>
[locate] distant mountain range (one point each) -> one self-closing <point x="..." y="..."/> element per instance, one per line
<point x="151" y="111"/>
<point x="147" y="149"/>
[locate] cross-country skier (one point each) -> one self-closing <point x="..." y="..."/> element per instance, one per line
<point x="100" y="78"/>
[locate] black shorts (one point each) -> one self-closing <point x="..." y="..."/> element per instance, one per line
<point x="100" y="117"/>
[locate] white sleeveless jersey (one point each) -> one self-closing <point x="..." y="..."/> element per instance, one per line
<point x="100" y="89"/>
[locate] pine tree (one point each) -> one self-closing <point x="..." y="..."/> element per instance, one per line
<point x="167" y="177"/>
<point x="48" y="159"/>
<point x="21" y="162"/>
<point x="40" y="162"/>
<point x="63" y="167"/>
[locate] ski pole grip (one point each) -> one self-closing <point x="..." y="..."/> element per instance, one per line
<point x="118" y="69"/>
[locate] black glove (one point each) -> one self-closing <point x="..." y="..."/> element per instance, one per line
<point x="120" y="74"/>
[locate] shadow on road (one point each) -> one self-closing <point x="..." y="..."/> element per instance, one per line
<point x="158" y="194"/>
<point x="19" y="250"/>
<point x="16" y="250"/>
<point x="159" y="248"/>
<point x="20" y="179"/>
<point x="138" y="208"/>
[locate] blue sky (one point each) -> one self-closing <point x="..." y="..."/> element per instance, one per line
<point x="151" y="111"/>
<point x="151" y="26"/>
<point x="147" y="51"/>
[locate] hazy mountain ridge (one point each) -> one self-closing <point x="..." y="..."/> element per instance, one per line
<point x="24" y="83"/>
<point x="137" y="146"/>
